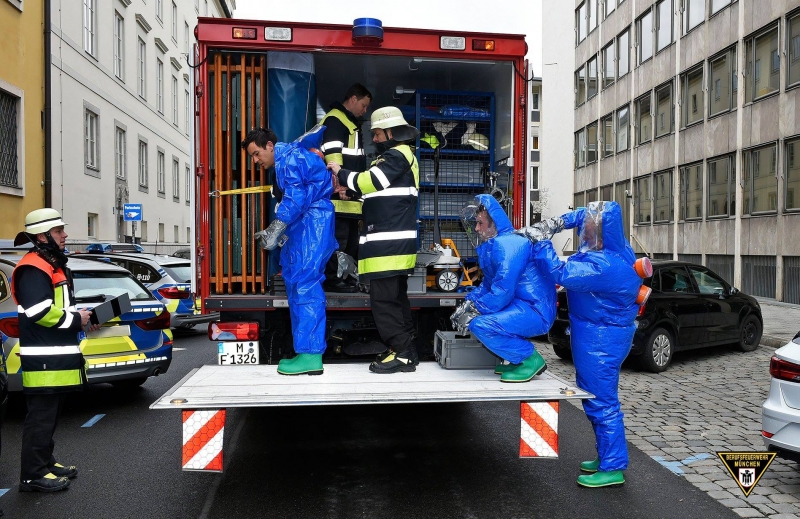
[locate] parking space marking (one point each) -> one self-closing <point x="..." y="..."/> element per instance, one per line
<point x="93" y="421"/>
<point x="675" y="466"/>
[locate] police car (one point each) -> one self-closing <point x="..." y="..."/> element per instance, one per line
<point x="168" y="278"/>
<point x="126" y="351"/>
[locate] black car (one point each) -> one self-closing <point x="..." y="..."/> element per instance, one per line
<point x="690" y="307"/>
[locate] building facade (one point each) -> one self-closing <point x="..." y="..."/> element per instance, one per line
<point x="686" y="113"/>
<point x="122" y="114"/>
<point x="22" y="136"/>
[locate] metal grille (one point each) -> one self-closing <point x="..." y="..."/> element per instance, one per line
<point x="8" y="140"/>
<point x="722" y="265"/>
<point x="691" y="258"/>
<point x="758" y="275"/>
<point x="791" y="279"/>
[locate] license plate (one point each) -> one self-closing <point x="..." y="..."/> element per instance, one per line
<point x="231" y="353"/>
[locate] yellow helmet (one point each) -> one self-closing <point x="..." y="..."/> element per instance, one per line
<point x="39" y="221"/>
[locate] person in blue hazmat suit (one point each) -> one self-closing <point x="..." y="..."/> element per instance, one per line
<point x="304" y="227"/>
<point x="516" y="299"/>
<point x="602" y="288"/>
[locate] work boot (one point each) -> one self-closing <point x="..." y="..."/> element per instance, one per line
<point x="310" y="363"/>
<point x="611" y="478"/>
<point x="48" y="483"/>
<point x="505" y="368"/>
<point x="60" y="470"/>
<point x="590" y="466"/>
<point x="393" y="362"/>
<point x="530" y="367"/>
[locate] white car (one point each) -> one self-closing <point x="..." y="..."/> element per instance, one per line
<point x="780" y="414"/>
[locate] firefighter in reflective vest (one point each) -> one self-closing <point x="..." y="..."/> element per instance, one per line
<point x="388" y="243"/>
<point x="343" y="144"/>
<point x="52" y="363"/>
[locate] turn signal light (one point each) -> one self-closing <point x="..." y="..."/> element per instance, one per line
<point x="240" y="33"/>
<point x="485" y="45"/>
<point x="233" y="331"/>
<point x="778" y="368"/>
<point x="10" y="326"/>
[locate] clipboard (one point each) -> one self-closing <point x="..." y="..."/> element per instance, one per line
<point x="108" y="310"/>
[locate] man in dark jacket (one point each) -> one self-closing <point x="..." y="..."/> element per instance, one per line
<point x="50" y="355"/>
<point x="343" y="144"/>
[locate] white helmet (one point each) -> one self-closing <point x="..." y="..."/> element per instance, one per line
<point x="390" y="117"/>
<point x="39" y="221"/>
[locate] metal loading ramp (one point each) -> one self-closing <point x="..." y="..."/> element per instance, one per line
<point x="217" y="387"/>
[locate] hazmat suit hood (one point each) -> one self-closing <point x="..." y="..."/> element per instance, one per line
<point x="599" y="227"/>
<point x="499" y="217"/>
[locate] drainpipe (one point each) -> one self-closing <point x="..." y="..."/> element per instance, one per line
<point x="48" y="116"/>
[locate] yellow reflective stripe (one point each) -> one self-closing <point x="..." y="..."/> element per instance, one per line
<point x="412" y="159"/>
<point x="364" y="181"/>
<point x="335" y="157"/>
<point x="59" y="296"/>
<point x="70" y="377"/>
<point x="387" y="263"/>
<point x="347" y="206"/>
<point x="51" y="318"/>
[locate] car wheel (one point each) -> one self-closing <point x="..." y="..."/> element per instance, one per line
<point x="563" y="352"/>
<point x="658" y="351"/>
<point x="750" y="333"/>
<point x="131" y="383"/>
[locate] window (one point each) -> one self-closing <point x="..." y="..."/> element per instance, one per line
<point x="591" y="7"/>
<point x="721" y="187"/>
<point x="623" y="53"/>
<point x="188" y="235"/>
<point x="644" y="36"/>
<point x="642" y="200"/>
<point x="722" y="83"/>
<point x="694" y="13"/>
<point x="176" y="180"/>
<point x="188" y="180"/>
<point x="11" y="156"/>
<point x="160" y="179"/>
<point x="622" y="195"/>
<point x="591" y="80"/>
<point x="186" y="112"/>
<point x="691" y="189"/>
<point x="580" y="148"/>
<point x="717" y="5"/>
<point x="664" y="119"/>
<point x="91" y="227"/>
<point x="143" y="176"/>
<point x="792" y="174"/>
<point x="90" y="26"/>
<point x="160" y="85"/>
<point x="591" y="196"/>
<point x="140" y="74"/>
<point x="692" y="96"/>
<point x="186" y="38"/>
<point x="644" y="120"/>
<point x="609" y="69"/>
<point x="580" y="86"/>
<point x="591" y="145"/>
<point x="607" y="192"/>
<point x="607" y="132"/>
<point x="160" y="233"/>
<point x="664" y="29"/>
<point x="759" y="51"/>
<point x="174" y="100"/>
<point x="623" y="120"/>
<point x="793" y="36"/>
<point x="610" y="6"/>
<point x="174" y="22"/>
<point x="674" y="279"/>
<point x="119" y="152"/>
<point x="535" y="143"/>
<point x="707" y="282"/>
<point x="143" y="238"/>
<point x="160" y="10"/>
<point x="580" y="22"/>
<point x="90" y="135"/>
<point x="197" y="6"/>
<point x="760" y="189"/>
<point x="119" y="48"/>
<point x="663" y="208"/>
<point x="175" y="234"/>
<point x="535" y="93"/>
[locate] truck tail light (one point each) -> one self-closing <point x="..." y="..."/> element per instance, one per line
<point x="278" y="34"/>
<point x="778" y="368"/>
<point x="485" y="45"/>
<point x="10" y="326"/>
<point x="233" y="331"/>
<point x="159" y="322"/>
<point x="240" y="33"/>
<point x="174" y="293"/>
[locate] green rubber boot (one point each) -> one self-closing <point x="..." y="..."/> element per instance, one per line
<point x="309" y="363"/>
<point x="612" y="478"/>
<point x="530" y="367"/>
<point x="504" y="368"/>
<point x="590" y="466"/>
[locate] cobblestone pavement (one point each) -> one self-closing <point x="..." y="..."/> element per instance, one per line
<point x="707" y="401"/>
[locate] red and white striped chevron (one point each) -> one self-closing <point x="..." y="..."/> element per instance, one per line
<point x="539" y="430"/>
<point x="202" y="439"/>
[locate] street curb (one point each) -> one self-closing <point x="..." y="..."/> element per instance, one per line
<point x="773" y="341"/>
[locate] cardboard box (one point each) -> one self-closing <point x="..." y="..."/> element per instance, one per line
<point x="462" y="352"/>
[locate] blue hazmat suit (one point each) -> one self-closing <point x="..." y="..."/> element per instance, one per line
<point x="602" y="287"/>
<point x="516" y="299"/>
<point x="306" y="209"/>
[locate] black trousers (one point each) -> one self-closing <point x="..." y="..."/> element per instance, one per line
<point x="37" y="434"/>
<point x="391" y="310"/>
<point x="346" y="232"/>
